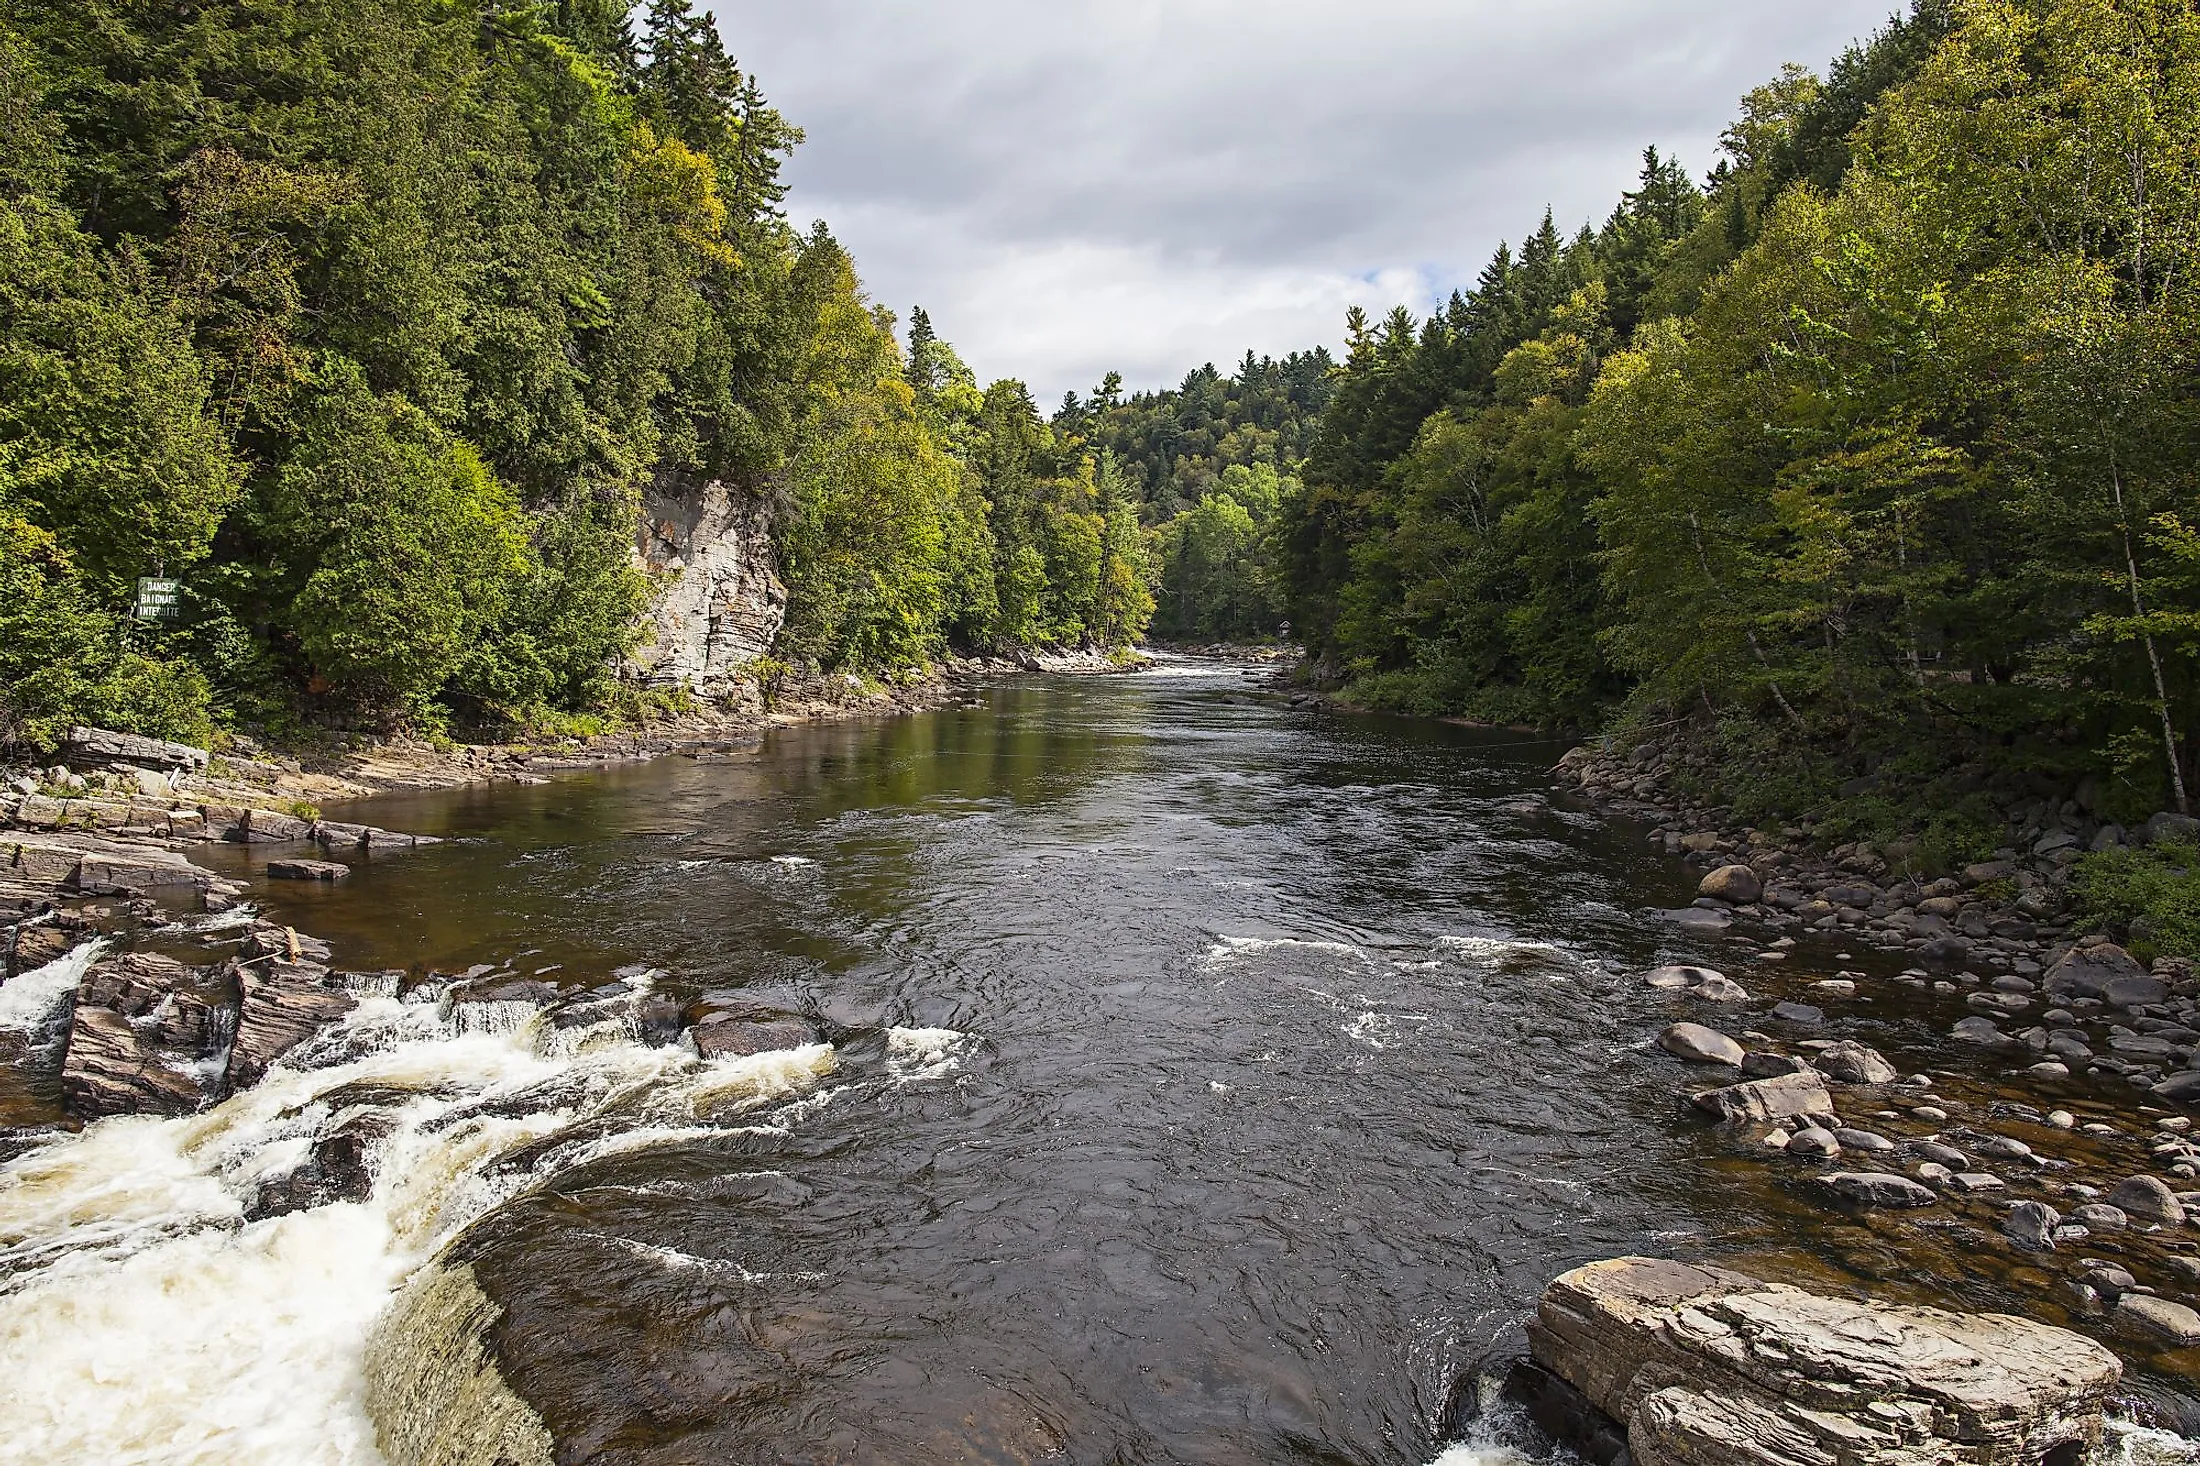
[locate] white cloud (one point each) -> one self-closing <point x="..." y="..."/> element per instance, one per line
<point x="1158" y="183"/>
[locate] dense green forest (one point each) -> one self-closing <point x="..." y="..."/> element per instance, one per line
<point x="1210" y="463"/>
<point x="1873" y="451"/>
<point x="369" y="321"/>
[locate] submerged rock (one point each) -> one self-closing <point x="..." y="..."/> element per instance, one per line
<point x="1702" y="1366"/>
<point x="1878" y="1189"/>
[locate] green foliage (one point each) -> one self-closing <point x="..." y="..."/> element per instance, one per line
<point x="64" y="661"/>
<point x="1875" y="450"/>
<point x="2150" y="897"/>
<point x="374" y="320"/>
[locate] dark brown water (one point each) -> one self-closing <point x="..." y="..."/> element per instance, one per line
<point x="1215" y="1083"/>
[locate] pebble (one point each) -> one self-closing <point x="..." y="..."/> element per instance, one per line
<point x="1947" y="1155"/>
<point x="1935" y="1174"/>
<point x="1974" y="1181"/>
<point x="1930" y="1114"/>
<point x="1837" y="987"/>
<point x="2062" y="1119"/>
<point x="1863" y="1140"/>
<point x="2101" y="1217"/>
<point x="1801" y="1013"/>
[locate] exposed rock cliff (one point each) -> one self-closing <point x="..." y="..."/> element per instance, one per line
<point x="722" y="604"/>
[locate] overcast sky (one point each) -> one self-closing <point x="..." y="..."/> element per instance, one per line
<point x="1151" y="184"/>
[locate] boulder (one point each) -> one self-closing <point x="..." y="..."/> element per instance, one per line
<point x="1697" y="1044"/>
<point x="1697" y="982"/>
<point x="1737" y="884"/>
<point x="733" y="1036"/>
<point x="2169" y="826"/>
<point x="1852" y="1063"/>
<point x="1767" y="1065"/>
<point x="102" y="746"/>
<point x="2181" y="1088"/>
<point x="2172" y="1321"/>
<point x="1769" y="1101"/>
<point x="144" y="1038"/>
<point x="1707" y="1367"/>
<point x="1879" y="1189"/>
<point x="307" y="870"/>
<point x="281" y="1005"/>
<point x="2031" y="1225"/>
<point x="1813" y="1143"/>
<point x="2148" y="1200"/>
<point x="1982" y="1033"/>
<point x="266" y="827"/>
<point x="2106" y="972"/>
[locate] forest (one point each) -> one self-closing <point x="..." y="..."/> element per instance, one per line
<point x="367" y="323"/>
<point x="1869" y="455"/>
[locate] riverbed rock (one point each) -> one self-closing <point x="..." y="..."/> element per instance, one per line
<point x="1764" y="1064"/>
<point x="1878" y="1190"/>
<point x="1697" y="982"/>
<point x="1696" y="1044"/>
<point x="1737" y="884"/>
<point x="733" y="1036"/>
<point x="280" y="1006"/>
<point x="1769" y="1101"/>
<point x="307" y="870"/>
<point x="1812" y="1143"/>
<point x="1981" y="1033"/>
<point x="2172" y="1321"/>
<point x="1852" y="1063"/>
<point x="2106" y="972"/>
<point x="143" y="1038"/>
<point x="2031" y="1225"/>
<point x="2147" y="1199"/>
<point x="2181" y="1088"/>
<point x="1707" y="1367"/>
<point x="1801" y="1014"/>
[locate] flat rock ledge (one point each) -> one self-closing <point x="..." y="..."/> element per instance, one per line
<point x="1701" y="1366"/>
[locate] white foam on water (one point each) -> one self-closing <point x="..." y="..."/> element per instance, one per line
<point x="29" y="1002"/>
<point x="143" y="1321"/>
<point x="914" y="1054"/>
<point x="793" y="862"/>
<point x="1230" y="949"/>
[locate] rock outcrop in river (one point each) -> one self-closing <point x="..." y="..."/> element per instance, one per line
<point x="1706" y="1367"/>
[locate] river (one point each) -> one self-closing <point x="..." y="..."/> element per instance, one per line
<point x="1216" y="1082"/>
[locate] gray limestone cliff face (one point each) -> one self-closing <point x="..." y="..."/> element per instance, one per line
<point x="720" y="602"/>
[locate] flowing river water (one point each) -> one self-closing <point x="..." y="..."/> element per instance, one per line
<point x="1210" y="1082"/>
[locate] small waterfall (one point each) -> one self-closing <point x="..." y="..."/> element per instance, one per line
<point x="157" y="1306"/>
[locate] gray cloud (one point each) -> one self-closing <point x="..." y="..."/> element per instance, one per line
<point x="1146" y="186"/>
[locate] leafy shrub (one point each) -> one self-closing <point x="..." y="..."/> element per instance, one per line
<point x="2151" y="897"/>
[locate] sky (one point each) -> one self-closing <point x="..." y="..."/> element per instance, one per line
<point x="1071" y="187"/>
